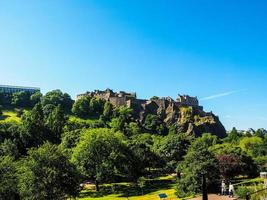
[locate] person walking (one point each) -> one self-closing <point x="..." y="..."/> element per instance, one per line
<point x="231" y="190"/>
<point x="223" y="188"/>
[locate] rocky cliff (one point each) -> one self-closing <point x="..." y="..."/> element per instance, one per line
<point x="187" y="119"/>
<point x="184" y="113"/>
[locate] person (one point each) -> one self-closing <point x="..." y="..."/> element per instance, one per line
<point x="223" y="187"/>
<point x="231" y="190"/>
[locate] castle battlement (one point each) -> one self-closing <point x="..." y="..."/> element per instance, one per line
<point x="123" y="98"/>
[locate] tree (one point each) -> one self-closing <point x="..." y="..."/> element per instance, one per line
<point x="172" y="148"/>
<point x="21" y="99"/>
<point x="33" y="130"/>
<point x="47" y="174"/>
<point x="56" y="97"/>
<point x="154" y="98"/>
<point x="55" y="122"/>
<point x="141" y="146"/>
<point x="154" y="124"/>
<point x="197" y="161"/>
<point x="234" y="136"/>
<point x="5" y="99"/>
<point x="36" y="98"/>
<point x="96" y="106"/>
<point x="246" y="163"/>
<point x="81" y="107"/>
<point x="9" y="148"/>
<point x="70" y="139"/>
<point x="122" y="117"/>
<point x="253" y="146"/>
<point x="8" y="179"/>
<point x="99" y="155"/>
<point x="108" y="109"/>
<point x="229" y="165"/>
<point x="132" y="129"/>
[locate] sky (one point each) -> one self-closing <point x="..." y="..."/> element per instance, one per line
<point x="215" y="50"/>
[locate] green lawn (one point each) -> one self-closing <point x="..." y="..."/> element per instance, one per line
<point x="120" y="191"/>
<point x="9" y="116"/>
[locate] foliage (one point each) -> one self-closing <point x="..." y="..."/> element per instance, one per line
<point x="198" y="160"/>
<point x="36" y="98"/>
<point x="8" y="180"/>
<point x="56" y="97"/>
<point x="233" y="136"/>
<point x="70" y="139"/>
<point x="81" y="107"/>
<point x="242" y="191"/>
<point x="55" y="122"/>
<point x="154" y="124"/>
<point x="229" y="165"/>
<point x="253" y="146"/>
<point x="171" y="149"/>
<point x="247" y="164"/>
<point x="33" y="130"/>
<point x="99" y="155"/>
<point x="21" y="99"/>
<point x="47" y="174"/>
<point x="141" y="147"/>
<point x="9" y="148"/>
<point x="108" y="109"/>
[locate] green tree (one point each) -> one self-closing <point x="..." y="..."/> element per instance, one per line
<point x="253" y="146"/>
<point x="9" y="148"/>
<point x="81" y="107"/>
<point x="99" y="155"/>
<point x="8" y="179"/>
<point x="141" y="147"/>
<point x="96" y="106"/>
<point x="108" y="109"/>
<point x="198" y="160"/>
<point x="5" y="99"/>
<point x="56" y="97"/>
<point x="55" y="122"/>
<point x="21" y="99"/>
<point x="47" y="174"/>
<point x="36" y="98"/>
<point x="171" y="149"/>
<point x="154" y="124"/>
<point x="233" y="136"/>
<point x="33" y="130"/>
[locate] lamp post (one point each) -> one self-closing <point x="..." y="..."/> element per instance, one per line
<point x="204" y="187"/>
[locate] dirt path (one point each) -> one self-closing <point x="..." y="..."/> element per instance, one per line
<point x="214" y="197"/>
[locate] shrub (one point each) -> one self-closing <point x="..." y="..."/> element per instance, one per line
<point x="242" y="191"/>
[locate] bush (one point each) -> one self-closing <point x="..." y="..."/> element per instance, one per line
<point x="242" y="191"/>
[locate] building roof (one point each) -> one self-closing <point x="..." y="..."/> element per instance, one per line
<point x="19" y="87"/>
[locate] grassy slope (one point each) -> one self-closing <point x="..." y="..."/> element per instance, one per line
<point x="9" y="115"/>
<point x="153" y="188"/>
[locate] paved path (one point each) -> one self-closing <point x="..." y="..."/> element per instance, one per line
<point x="214" y="197"/>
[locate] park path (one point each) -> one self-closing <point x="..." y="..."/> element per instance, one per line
<point x="215" y="197"/>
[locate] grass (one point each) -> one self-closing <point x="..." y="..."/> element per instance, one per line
<point x="9" y="115"/>
<point x="73" y="118"/>
<point x="120" y="191"/>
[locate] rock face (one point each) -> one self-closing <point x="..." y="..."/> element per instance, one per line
<point x="184" y="113"/>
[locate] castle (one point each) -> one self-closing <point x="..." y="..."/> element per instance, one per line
<point x="165" y="106"/>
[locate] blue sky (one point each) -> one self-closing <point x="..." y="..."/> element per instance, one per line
<point x="216" y="50"/>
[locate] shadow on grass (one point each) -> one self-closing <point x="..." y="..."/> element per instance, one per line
<point x="129" y="190"/>
<point x="3" y="117"/>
